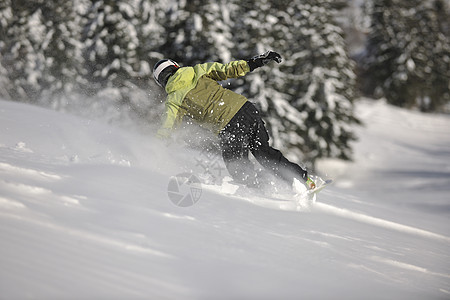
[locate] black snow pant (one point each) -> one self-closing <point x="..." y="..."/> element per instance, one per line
<point x="246" y="132"/>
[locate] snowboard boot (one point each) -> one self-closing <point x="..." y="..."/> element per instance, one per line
<point x="310" y="184"/>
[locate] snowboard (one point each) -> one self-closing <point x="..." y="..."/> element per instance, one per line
<point x="321" y="186"/>
<point x="297" y="199"/>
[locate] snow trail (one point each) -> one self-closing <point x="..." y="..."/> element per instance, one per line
<point x="345" y="213"/>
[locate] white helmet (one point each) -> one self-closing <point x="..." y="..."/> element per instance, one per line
<point x="163" y="69"/>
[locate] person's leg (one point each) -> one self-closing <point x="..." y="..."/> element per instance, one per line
<point x="270" y="158"/>
<point x="234" y="142"/>
<point x="235" y="157"/>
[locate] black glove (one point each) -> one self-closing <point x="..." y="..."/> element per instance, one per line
<point x="263" y="59"/>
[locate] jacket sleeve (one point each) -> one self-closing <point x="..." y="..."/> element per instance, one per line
<point x="172" y="119"/>
<point x="219" y="72"/>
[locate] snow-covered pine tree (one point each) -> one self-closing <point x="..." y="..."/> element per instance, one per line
<point x="121" y="40"/>
<point x="62" y="51"/>
<point x="321" y="81"/>
<point x="147" y="100"/>
<point x="261" y="30"/>
<point x="5" y="20"/>
<point x="198" y="31"/>
<point x="22" y="54"/>
<point x="408" y="54"/>
<point x="40" y="48"/>
<point x="307" y="99"/>
<point x="110" y="40"/>
<point x="150" y="33"/>
<point x="436" y="93"/>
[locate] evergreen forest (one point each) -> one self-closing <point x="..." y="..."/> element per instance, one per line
<point x="98" y="55"/>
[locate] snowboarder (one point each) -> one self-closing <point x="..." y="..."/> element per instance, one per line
<point x="194" y="92"/>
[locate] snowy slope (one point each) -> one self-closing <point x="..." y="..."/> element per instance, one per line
<point x="85" y="214"/>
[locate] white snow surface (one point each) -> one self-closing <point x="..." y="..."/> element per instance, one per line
<point x="85" y="214"/>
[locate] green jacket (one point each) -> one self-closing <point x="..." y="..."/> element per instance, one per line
<point x="194" y="92"/>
